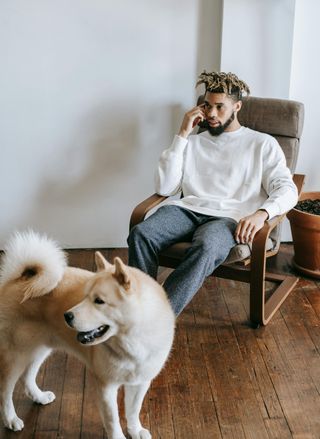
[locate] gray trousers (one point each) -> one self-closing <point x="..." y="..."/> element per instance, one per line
<point x="212" y="239"/>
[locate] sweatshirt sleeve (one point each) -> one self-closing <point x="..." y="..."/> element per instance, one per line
<point x="169" y="173"/>
<point x="277" y="181"/>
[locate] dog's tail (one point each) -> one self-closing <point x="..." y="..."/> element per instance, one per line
<point x="33" y="261"/>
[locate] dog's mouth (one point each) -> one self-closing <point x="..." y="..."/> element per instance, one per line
<point x="90" y="336"/>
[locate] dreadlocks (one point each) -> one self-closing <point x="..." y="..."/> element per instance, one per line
<point x="221" y="82"/>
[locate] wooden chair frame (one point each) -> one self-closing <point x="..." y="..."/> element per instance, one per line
<point x="251" y="270"/>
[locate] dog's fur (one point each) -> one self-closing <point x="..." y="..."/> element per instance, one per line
<point x="124" y="325"/>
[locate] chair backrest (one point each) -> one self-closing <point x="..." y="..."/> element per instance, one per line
<point x="281" y="118"/>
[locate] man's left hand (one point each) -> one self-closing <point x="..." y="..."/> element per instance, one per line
<point x="249" y="226"/>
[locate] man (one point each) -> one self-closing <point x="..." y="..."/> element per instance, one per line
<point x="232" y="179"/>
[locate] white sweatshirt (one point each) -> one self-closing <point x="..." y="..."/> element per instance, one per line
<point x="230" y="175"/>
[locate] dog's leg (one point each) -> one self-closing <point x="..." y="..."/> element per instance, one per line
<point x="109" y="411"/>
<point x="9" y="376"/>
<point x="133" y="401"/>
<point x="31" y="387"/>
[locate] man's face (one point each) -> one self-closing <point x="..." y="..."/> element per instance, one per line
<point x="220" y="113"/>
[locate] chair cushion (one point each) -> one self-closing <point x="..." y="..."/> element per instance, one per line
<point x="237" y="253"/>
<point x="243" y="251"/>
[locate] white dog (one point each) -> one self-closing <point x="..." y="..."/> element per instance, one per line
<point x="124" y="324"/>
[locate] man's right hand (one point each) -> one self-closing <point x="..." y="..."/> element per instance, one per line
<point x="191" y="119"/>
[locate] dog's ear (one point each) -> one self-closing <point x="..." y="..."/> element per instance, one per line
<point x="101" y="262"/>
<point x="122" y="273"/>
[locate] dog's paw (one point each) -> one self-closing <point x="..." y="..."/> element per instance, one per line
<point x="45" y="398"/>
<point x="141" y="434"/>
<point x="15" y="424"/>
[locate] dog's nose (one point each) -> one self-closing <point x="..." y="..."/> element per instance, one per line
<point x="69" y="316"/>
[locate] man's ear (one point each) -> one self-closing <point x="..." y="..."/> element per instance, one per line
<point x="122" y="273"/>
<point x="101" y="262"/>
<point x="237" y="106"/>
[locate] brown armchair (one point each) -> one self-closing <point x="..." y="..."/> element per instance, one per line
<point x="283" y="119"/>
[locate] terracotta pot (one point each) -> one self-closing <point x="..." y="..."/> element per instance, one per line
<point x="305" y="229"/>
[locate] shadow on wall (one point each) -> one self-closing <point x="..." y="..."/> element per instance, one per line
<point x="91" y="186"/>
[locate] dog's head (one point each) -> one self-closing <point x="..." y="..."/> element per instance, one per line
<point x="110" y="303"/>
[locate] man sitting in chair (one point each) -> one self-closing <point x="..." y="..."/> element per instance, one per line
<point x="232" y="180"/>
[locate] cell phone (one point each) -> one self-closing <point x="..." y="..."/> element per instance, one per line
<point x="203" y="124"/>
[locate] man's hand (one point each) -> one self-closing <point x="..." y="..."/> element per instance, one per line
<point x="249" y="226"/>
<point x="191" y="119"/>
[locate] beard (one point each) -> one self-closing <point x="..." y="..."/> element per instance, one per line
<point x="215" y="131"/>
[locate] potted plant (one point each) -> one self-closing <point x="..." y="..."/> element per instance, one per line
<point x="305" y="227"/>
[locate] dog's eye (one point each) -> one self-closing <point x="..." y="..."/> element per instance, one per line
<point x="98" y="301"/>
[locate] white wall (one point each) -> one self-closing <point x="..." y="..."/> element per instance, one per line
<point x="91" y="92"/>
<point x="210" y="19"/>
<point x="257" y="44"/>
<point x="305" y="88"/>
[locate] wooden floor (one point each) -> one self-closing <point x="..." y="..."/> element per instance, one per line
<point x="223" y="380"/>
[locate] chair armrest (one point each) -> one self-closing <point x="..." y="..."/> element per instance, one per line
<point x="140" y="211"/>
<point x="262" y="235"/>
<point x="259" y="243"/>
<point x="298" y="180"/>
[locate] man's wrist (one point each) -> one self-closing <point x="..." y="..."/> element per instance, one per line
<point x="265" y="212"/>
<point x="183" y="133"/>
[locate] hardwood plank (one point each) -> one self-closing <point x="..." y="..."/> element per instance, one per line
<point x="92" y="426"/>
<point x="81" y="258"/>
<point x="227" y="408"/>
<point x="229" y="375"/>
<point x="72" y="401"/>
<point x="304" y="436"/>
<point x="179" y="393"/>
<point x="202" y="330"/>
<point x="48" y="418"/>
<point x="278" y="428"/>
<point x="280" y="356"/>
<point x="46" y="435"/>
<point x="161" y="423"/>
<point x="311" y="290"/>
<point x="110" y="254"/>
<point x="193" y="416"/>
<point x="191" y="382"/>
<point x="303" y="356"/>
<point x="247" y="339"/>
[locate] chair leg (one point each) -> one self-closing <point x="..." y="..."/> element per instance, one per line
<point x="261" y="311"/>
